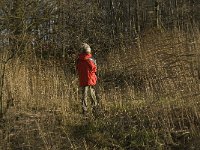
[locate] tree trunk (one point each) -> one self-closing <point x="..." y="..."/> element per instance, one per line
<point x="2" y="74"/>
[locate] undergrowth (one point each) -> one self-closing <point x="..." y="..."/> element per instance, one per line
<point x="149" y="125"/>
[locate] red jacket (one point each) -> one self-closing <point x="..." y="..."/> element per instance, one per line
<point x="87" y="69"/>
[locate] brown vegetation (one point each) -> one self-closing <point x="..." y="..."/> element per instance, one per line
<point x="149" y="72"/>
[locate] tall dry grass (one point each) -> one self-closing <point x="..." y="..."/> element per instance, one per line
<point x="149" y="99"/>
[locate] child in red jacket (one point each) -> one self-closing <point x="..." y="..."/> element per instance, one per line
<point x="87" y="68"/>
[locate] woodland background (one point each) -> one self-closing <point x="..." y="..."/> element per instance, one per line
<point x="148" y="54"/>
